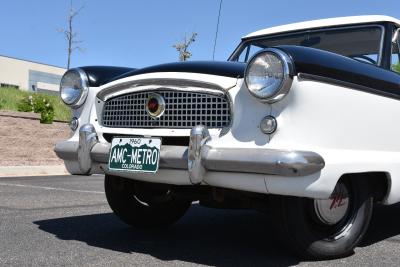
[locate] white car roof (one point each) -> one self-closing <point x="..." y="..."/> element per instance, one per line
<point x="324" y="23"/>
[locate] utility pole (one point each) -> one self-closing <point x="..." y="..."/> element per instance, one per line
<point x="216" y="31"/>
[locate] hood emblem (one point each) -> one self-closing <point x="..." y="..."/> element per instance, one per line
<point x="155" y="105"/>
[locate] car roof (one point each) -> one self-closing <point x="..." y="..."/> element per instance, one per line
<point x="323" y="23"/>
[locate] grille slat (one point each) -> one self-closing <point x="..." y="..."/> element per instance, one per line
<point x="182" y="110"/>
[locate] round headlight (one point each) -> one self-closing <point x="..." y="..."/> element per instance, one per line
<point x="74" y="87"/>
<point x="269" y="75"/>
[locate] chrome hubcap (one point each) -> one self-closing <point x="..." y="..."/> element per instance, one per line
<point x="331" y="211"/>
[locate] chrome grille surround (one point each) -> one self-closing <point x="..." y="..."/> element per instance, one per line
<point x="184" y="109"/>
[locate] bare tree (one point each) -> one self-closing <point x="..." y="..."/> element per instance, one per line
<point x="70" y="34"/>
<point x="182" y="47"/>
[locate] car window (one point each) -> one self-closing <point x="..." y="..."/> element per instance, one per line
<point x="252" y="50"/>
<point x="396" y="55"/>
<point x="360" y="43"/>
<point x="242" y="56"/>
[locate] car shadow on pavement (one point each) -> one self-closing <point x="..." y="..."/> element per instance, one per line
<point x="202" y="236"/>
<point x="385" y="225"/>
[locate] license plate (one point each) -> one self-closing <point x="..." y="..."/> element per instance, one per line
<point x="135" y="154"/>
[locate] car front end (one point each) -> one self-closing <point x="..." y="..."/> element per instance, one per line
<point x="212" y="128"/>
<point x="296" y="122"/>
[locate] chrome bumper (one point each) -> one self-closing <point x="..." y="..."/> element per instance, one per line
<point x="199" y="157"/>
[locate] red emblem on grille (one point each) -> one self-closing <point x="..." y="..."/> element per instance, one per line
<point x="152" y="105"/>
<point x="155" y="105"/>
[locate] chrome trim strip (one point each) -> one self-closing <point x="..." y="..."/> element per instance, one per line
<point x="154" y="88"/>
<point x="154" y="84"/>
<point x="395" y="36"/>
<point x="380" y="56"/>
<point x="85" y="89"/>
<point x="312" y="77"/>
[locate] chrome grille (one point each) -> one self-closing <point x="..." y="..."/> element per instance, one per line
<point x="183" y="109"/>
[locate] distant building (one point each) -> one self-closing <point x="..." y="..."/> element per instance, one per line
<point x="29" y="75"/>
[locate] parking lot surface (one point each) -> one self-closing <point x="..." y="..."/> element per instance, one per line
<point x="65" y="220"/>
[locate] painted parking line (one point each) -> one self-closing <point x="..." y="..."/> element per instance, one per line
<point x="52" y="188"/>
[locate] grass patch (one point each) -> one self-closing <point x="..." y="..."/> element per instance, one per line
<point x="10" y="97"/>
<point x="396" y="67"/>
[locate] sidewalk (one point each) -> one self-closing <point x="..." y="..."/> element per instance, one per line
<point x="8" y="171"/>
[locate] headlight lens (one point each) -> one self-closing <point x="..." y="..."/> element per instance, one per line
<point x="269" y="75"/>
<point x="74" y="87"/>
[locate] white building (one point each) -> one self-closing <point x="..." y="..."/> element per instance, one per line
<point x="29" y="75"/>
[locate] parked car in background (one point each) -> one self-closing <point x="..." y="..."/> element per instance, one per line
<point x="300" y="121"/>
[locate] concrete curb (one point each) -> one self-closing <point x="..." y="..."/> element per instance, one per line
<point x="9" y="171"/>
<point x="24" y="115"/>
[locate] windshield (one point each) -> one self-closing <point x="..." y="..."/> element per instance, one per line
<point x="360" y="43"/>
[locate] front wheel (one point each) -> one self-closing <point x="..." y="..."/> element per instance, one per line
<point x="326" y="228"/>
<point x="143" y="205"/>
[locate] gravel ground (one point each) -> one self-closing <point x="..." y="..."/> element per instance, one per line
<point x="25" y="141"/>
<point x="66" y="221"/>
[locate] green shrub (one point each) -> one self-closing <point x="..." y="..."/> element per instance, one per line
<point x="12" y="99"/>
<point x="47" y="114"/>
<point x="26" y="104"/>
<point x="39" y="104"/>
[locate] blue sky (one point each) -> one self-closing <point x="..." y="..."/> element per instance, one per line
<point x="141" y="33"/>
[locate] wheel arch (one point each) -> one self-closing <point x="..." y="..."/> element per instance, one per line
<point x="379" y="183"/>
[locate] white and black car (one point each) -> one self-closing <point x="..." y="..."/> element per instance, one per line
<point x="301" y="122"/>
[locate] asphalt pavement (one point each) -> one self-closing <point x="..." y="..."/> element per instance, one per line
<point x="65" y="220"/>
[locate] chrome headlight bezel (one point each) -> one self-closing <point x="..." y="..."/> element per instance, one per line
<point x="287" y="75"/>
<point x="80" y="99"/>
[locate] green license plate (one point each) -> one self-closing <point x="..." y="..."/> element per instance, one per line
<point x="135" y="154"/>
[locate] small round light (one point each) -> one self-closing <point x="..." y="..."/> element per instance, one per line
<point x="74" y="123"/>
<point x="268" y="125"/>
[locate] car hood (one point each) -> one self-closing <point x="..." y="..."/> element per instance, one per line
<point x="219" y="68"/>
<point x="101" y="75"/>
